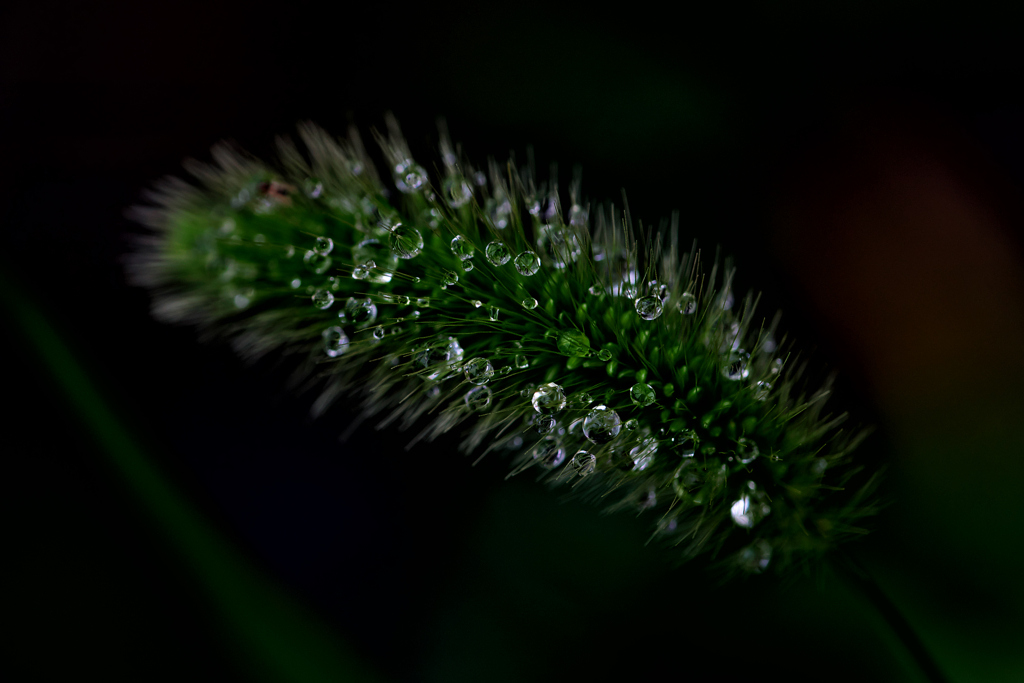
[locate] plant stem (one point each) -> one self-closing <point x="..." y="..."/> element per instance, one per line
<point x="859" y="577"/>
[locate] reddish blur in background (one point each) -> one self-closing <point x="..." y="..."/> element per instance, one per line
<point x="862" y="164"/>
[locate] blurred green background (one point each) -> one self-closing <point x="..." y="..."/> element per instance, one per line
<point x="170" y="514"/>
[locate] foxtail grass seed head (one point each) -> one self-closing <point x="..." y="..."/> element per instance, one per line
<point x="568" y="336"/>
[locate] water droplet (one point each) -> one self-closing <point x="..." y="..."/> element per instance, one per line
<point x="360" y="272"/>
<point x="318" y="263"/>
<point x="584" y="463"/>
<point x="641" y="394"/>
<point x="529" y="303"/>
<point x="492" y="312"/>
<point x="750" y="508"/>
<point x="478" y="398"/>
<point x="335" y="341"/>
<point x="409" y="176"/>
<point x="737" y="369"/>
<point x="467" y="265"/>
<point x="648" y="307"/>
<point x="394" y="299"/>
<point x="574" y="343"/>
<point x="448" y="278"/>
<point x="746" y="451"/>
<point x="289" y="251"/>
<point x="596" y="290"/>
<point x="602" y="424"/>
<point x="687" y="304"/>
<point x="323" y="299"/>
<point x="456" y="190"/>
<point x="505" y="370"/>
<point x="643" y="455"/>
<point x="361" y="311"/>
<point x="521" y="362"/>
<point x="259" y="238"/>
<point x="818" y="466"/>
<point x="323" y="245"/>
<point x="727" y="300"/>
<point x="605" y="355"/>
<point x="442" y="356"/>
<point x="776" y="366"/>
<point x="462" y="247"/>
<point x="580" y="399"/>
<point x="648" y="500"/>
<point x="498" y="211"/>
<point x="478" y="371"/>
<point x="544" y="424"/>
<point x="313" y="188"/>
<point x="527" y="392"/>
<point x="479" y="179"/>
<point x="761" y="390"/>
<point x="296" y="283"/>
<point x="241" y="301"/>
<point x="549" y="454"/>
<point x="377" y="258"/>
<point x="687" y="445"/>
<point x="378" y="332"/>
<point x="631" y="424"/>
<point x="548" y="398"/>
<point x="406" y="242"/>
<point x="755" y="557"/>
<point x="561" y="246"/>
<point x="497" y="253"/>
<point x="577" y="216"/>
<point x="658" y="289"/>
<point x="423" y="302"/>
<point x="527" y="263"/>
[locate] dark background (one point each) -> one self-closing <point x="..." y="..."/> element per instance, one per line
<point x="863" y="166"/>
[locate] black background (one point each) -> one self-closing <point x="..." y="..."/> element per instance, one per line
<point x="428" y="568"/>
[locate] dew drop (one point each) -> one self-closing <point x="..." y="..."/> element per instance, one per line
<point x="605" y="355"/>
<point x="601" y="425"/>
<point x="505" y="370"/>
<point x="596" y="290"/>
<point x="318" y="263"/>
<point x="581" y="400"/>
<point x="756" y="557"/>
<point x="648" y="307"/>
<point x="687" y="445"/>
<point x="449" y="278"/>
<point x="521" y="362"/>
<point x="497" y="253"/>
<point x="643" y="455"/>
<point x="478" y="371"/>
<point x="361" y="272"/>
<point x="574" y="343"/>
<point x="761" y="390"/>
<point x="462" y="247"/>
<point x="737" y="369"/>
<point x="378" y="332"/>
<point x="544" y="424"/>
<point x="409" y="176"/>
<point x="478" y="398"/>
<point x="377" y="258"/>
<point x="241" y="301"/>
<point x="467" y="266"/>
<point x="456" y="190"/>
<point x="527" y="263"/>
<point x="406" y="242"/>
<point x="492" y="312"/>
<point x="423" y="302"/>
<point x="584" y="463"/>
<point x="262" y="239"/>
<point x="641" y="394"/>
<point x="323" y="245"/>
<point x="687" y="303"/>
<point x="529" y="303"/>
<point x="361" y="311"/>
<point x="549" y="454"/>
<point x="548" y="398"/>
<point x="498" y="211"/>
<point x="323" y="299"/>
<point x="335" y="341"/>
<point x="296" y="283"/>
<point x="312" y="187"/>
<point x="748" y="510"/>
<point x="631" y="424"/>
<point x="747" y="451"/>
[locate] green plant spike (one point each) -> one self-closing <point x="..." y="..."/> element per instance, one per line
<point x="543" y="328"/>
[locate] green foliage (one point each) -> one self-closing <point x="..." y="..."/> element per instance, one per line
<point x="596" y="353"/>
